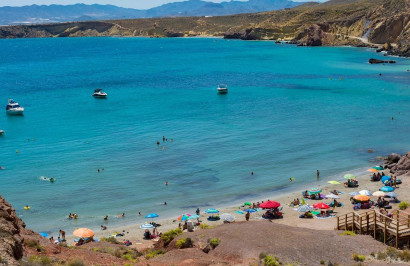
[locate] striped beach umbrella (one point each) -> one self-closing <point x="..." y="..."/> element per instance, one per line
<point x="365" y="192"/>
<point x="349" y="176"/>
<point x="352" y="194"/>
<point x="212" y="211"/>
<point x="184" y="217"/>
<point x="362" y="198"/>
<point x="314" y="191"/>
<point x="379" y="194"/>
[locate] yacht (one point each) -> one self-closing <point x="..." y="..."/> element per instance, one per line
<point x="13" y="108"/>
<point x="222" y="89"/>
<point x="99" y="93"/>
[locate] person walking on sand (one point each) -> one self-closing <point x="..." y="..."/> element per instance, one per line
<point x="247" y="216"/>
<point x="197" y="211"/>
<point x="62" y="234"/>
<point x="395" y="181"/>
<point x="317" y="174"/>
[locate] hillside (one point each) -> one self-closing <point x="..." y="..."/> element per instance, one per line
<point x="35" y="14"/>
<point x="337" y="22"/>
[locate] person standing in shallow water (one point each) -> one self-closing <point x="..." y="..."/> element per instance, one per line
<point x="247" y="216"/>
<point x="317" y="175"/>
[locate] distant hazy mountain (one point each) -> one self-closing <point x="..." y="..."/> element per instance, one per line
<point x="80" y="12"/>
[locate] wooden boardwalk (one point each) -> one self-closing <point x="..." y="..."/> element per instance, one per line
<point x="392" y="231"/>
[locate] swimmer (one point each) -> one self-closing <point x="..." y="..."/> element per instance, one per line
<point x="252" y="173"/>
<point x="2" y="168"/>
<point x="27" y="207"/>
<point x="103" y="169"/>
<point x="291" y="179"/>
<point x="98" y="170"/>
<point x="380" y="74"/>
<point x="103" y="227"/>
<point x="75" y="216"/>
<point x="166" y="183"/>
<point x="106" y="218"/>
<point x="122" y="215"/>
<point x="139" y="213"/>
<point x="17" y="151"/>
<point x="163" y="138"/>
<point x="157" y="142"/>
<point x="70" y="216"/>
<point x="165" y="203"/>
<point x="392" y="118"/>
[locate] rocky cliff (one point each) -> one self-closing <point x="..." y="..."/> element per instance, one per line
<point x="11" y="242"/>
<point x="336" y="22"/>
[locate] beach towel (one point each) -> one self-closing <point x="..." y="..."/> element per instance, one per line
<point x="240" y="212"/>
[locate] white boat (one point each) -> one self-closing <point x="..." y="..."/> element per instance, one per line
<point x="99" y="93"/>
<point x="222" y="89"/>
<point x="13" y="108"/>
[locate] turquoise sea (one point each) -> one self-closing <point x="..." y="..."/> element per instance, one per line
<point x="289" y="111"/>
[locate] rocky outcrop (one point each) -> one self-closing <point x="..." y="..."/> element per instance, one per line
<point x="11" y="243"/>
<point x="403" y="166"/>
<point x="378" y="61"/>
<point x="314" y="35"/>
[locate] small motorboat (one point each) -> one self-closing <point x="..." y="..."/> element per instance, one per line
<point x="222" y="89"/>
<point x="1" y="132"/>
<point x="13" y="108"/>
<point x="99" y="93"/>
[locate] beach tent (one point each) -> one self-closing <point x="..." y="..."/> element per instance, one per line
<point x="227" y="217"/>
<point x="305" y="208"/>
<point x="270" y="204"/>
<point x="385" y="179"/>
<point x="83" y="232"/>
<point x="321" y="205"/>
<point x="379" y="194"/>
<point x="362" y="198"/>
<point x="349" y="176"/>
<point x="365" y="192"/>
<point x="387" y="189"/>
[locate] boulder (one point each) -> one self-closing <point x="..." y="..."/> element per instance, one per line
<point x="378" y="61"/>
<point x="403" y="166"/>
<point x="393" y="158"/>
<point x="314" y="35"/>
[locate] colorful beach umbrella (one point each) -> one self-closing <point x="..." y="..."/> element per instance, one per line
<point x="349" y="176"/>
<point x="152" y="215"/>
<point x="365" y="192"/>
<point x="387" y="189"/>
<point x="146" y="226"/>
<point x="193" y="217"/>
<point x="83" y="232"/>
<point x="352" y="194"/>
<point x="227" y="217"/>
<point x="305" y="208"/>
<point x="378" y="167"/>
<point x="321" y="205"/>
<point x="334" y="182"/>
<point x="270" y="204"/>
<point x="184" y="217"/>
<point x="250" y="210"/>
<point x="379" y="194"/>
<point x="362" y="198"/>
<point x="314" y="191"/>
<point x="372" y="170"/>
<point x="212" y="211"/>
<point x="385" y="179"/>
<point x="391" y="195"/>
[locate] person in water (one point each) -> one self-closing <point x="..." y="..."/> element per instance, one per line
<point x="103" y="227"/>
<point x="122" y="215"/>
<point x="70" y="216"/>
<point x="106" y="218"/>
<point x="197" y="211"/>
<point x="165" y="203"/>
<point x="75" y="216"/>
<point x="166" y="183"/>
<point x="139" y="213"/>
<point x="62" y="234"/>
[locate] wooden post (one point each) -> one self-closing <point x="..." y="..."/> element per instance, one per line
<point x="374" y="229"/>
<point x="346" y="222"/>
<point x="367" y="224"/>
<point x="408" y="220"/>
<point x="397" y="233"/>
<point x="385" y="226"/>
<point x="360" y="224"/>
<point x="337" y="222"/>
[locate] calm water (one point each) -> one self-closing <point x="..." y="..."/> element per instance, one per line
<point x="290" y="110"/>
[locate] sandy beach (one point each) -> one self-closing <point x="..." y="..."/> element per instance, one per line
<point x="290" y="215"/>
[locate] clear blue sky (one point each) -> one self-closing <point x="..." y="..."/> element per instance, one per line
<point x="139" y="4"/>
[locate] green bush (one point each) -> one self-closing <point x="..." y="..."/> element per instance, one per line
<point x="40" y="260"/>
<point x="170" y="235"/>
<point x="358" y="257"/>
<point x="267" y="260"/>
<point x="405" y="255"/>
<point x="184" y="243"/>
<point x="403" y="205"/>
<point x="322" y="262"/>
<point x="381" y="255"/>
<point x="154" y="253"/>
<point x="214" y="242"/>
<point x="122" y="252"/>
<point x="110" y="239"/>
<point x="204" y="226"/>
<point x="32" y="243"/>
<point x="348" y="233"/>
<point x="76" y="262"/>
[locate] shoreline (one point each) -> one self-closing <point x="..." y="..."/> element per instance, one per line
<point x="284" y="195"/>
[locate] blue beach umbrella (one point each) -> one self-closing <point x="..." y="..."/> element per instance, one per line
<point x="249" y="210"/>
<point x="147" y="226"/>
<point x="212" y="211"/>
<point x="43" y="234"/>
<point x="152" y="215"/>
<point x="314" y="191"/>
<point x="385" y="179"/>
<point x="387" y="189"/>
<point x="194" y="216"/>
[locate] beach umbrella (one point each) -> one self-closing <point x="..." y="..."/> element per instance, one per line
<point x="247" y="204"/>
<point x="387" y="189"/>
<point x="146" y="226"/>
<point x="362" y="198"/>
<point x="349" y="176"/>
<point x="321" y="205"/>
<point x="270" y="204"/>
<point x="212" y="211"/>
<point x="193" y="217"/>
<point x="314" y="191"/>
<point x="152" y="215"/>
<point x="332" y="196"/>
<point x="250" y="210"/>
<point x="83" y="232"/>
<point x="354" y="194"/>
<point x="379" y="194"/>
<point x="305" y="208"/>
<point x="385" y="179"/>
<point x="227" y="217"/>
<point x="43" y="234"/>
<point x="378" y="167"/>
<point x="184" y="217"/>
<point x="372" y="170"/>
<point x="365" y="192"/>
<point x="391" y="195"/>
<point x="334" y="182"/>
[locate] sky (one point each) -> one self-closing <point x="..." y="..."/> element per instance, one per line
<point x="138" y="4"/>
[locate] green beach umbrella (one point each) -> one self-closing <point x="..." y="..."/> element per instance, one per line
<point x="333" y="182"/>
<point x="349" y="176"/>
<point x="247" y="204"/>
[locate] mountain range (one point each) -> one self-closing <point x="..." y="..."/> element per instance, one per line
<point x="34" y="14"/>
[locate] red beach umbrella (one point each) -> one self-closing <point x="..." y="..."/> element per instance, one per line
<point x="321" y="205"/>
<point x="270" y="204"/>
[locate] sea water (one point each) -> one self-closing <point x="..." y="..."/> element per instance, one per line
<point x="289" y="111"/>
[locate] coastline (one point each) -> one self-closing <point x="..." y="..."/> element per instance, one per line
<point x="285" y="195"/>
